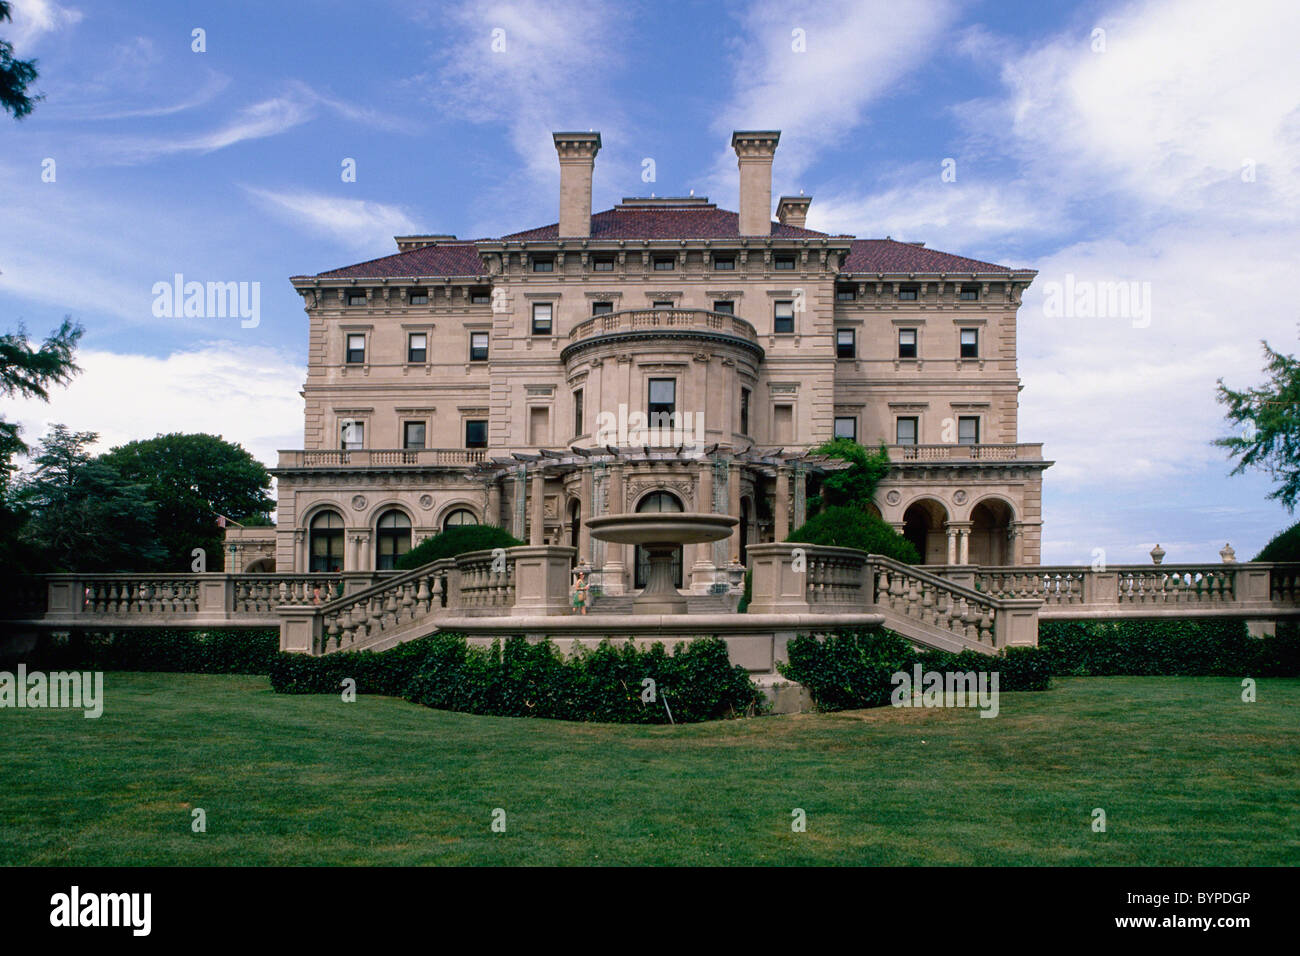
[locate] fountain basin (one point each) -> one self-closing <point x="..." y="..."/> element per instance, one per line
<point x="661" y="533"/>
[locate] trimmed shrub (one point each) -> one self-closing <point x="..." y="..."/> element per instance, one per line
<point x="460" y="539"/>
<point x="1206" y="647"/>
<point x="846" y="527"/>
<point x="524" y="679"/>
<point x="232" y="651"/>
<point x="747" y="596"/>
<point x="853" y="668"/>
<point x="1285" y="546"/>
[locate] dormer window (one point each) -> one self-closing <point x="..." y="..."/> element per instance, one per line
<point x="419" y="297"/>
<point x="783" y="263"/>
<point x="543" y="264"/>
<point x="665" y="263"/>
<point x="724" y="263"/>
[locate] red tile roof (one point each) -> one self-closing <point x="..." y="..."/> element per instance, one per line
<point x="460" y="258"/>
<point x="889" y="255"/>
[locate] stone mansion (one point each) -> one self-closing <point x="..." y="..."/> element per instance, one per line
<point x="500" y="381"/>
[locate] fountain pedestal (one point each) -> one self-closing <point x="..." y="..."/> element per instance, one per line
<point x="661" y="534"/>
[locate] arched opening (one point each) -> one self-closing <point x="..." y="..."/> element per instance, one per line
<point x="744" y="531"/>
<point x="325" y="542"/>
<point x="261" y="566"/>
<point x="658" y="501"/>
<point x="575" y="528"/>
<point x="990" y="544"/>
<point x="924" y="524"/>
<point x="872" y="510"/>
<point x="458" y="517"/>
<point x="392" y="539"/>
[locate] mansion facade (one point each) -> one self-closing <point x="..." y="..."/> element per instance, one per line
<point x="502" y="381"/>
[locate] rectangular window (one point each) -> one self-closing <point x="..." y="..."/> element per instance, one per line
<point x="725" y="306"/>
<point x="478" y="346"/>
<point x="602" y="308"/>
<point x="846" y="427"/>
<point x="539" y="425"/>
<point x="970" y="343"/>
<point x="413" y="434"/>
<point x="476" y="433"/>
<point x="908" y="293"/>
<point x="905" y="431"/>
<point x="662" y="304"/>
<point x="480" y="297"/>
<point x="744" y="411"/>
<point x="352" y="434"/>
<point x="356" y="348"/>
<point x="783" y="263"/>
<point x="417" y="347"/>
<point x="846" y="293"/>
<point x="541" y="318"/>
<point x="845" y="344"/>
<point x="724" y="263"/>
<point x="783" y="317"/>
<point x="543" y="264"/>
<point x="578" y="416"/>
<point x="665" y="263"/>
<point x="602" y="265"/>
<point x="419" y="297"/>
<point x="783" y="424"/>
<point x="356" y="298"/>
<point x="907" y="343"/>
<point x="969" y="293"/>
<point x="662" y="398"/>
<point x="968" y="430"/>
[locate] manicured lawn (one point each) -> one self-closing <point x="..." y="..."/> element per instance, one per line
<point x="1186" y="772"/>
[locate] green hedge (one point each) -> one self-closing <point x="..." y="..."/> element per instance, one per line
<point x="1209" y="647"/>
<point x="852" y="668"/>
<point x="460" y="539"/>
<point x="847" y="527"/>
<point x="232" y="651"/>
<point x="524" y="679"/>
<point x="1285" y="546"/>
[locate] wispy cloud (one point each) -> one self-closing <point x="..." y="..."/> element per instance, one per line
<point x="32" y="19"/>
<point x="358" y="223"/>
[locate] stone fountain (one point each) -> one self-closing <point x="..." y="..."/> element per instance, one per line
<point x="661" y="533"/>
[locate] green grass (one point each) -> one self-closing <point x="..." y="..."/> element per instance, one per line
<point x="1186" y="772"/>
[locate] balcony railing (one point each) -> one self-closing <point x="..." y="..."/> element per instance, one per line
<point x="379" y="457"/>
<point x="958" y="453"/>
<point x="637" y="320"/>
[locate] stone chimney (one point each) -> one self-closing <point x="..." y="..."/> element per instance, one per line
<point x="793" y="210"/>
<point x="754" y="151"/>
<point x="577" y="153"/>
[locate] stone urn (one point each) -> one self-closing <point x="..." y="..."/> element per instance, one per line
<point x="661" y="533"/>
<point x="1228" y="555"/>
<point x="1157" y="554"/>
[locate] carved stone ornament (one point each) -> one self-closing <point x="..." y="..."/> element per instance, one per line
<point x="358" y="502"/>
<point x="893" y="497"/>
<point x="959" y="497"/>
<point x="426" y="502"/>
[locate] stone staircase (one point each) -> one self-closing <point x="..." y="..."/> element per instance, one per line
<point x="695" y="604"/>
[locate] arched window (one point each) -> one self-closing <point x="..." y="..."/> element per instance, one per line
<point x="325" y="542"/>
<point x="657" y="501"/>
<point x="459" y="517"/>
<point x="392" y="539"/>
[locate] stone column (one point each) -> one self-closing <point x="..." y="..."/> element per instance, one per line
<point x="952" y="546"/>
<point x="584" y="515"/>
<point x="493" y="516"/>
<point x="517" y="510"/>
<point x="1016" y="538"/>
<point x="535" y="530"/>
<point x="781" y="506"/>
<point x="733" y="507"/>
<point x="301" y="554"/>
<point x="702" y="572"/>
<point x="963" y="544"/>
<point x="615" y="569"/>
<point x="800" y="495"/>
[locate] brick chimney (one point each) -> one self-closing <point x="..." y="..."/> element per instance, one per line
<point x="577" y="153"/>
<point x="793" y="210"/>
<point x="754" y="151"/>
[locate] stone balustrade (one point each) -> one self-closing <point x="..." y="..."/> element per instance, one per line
<point x="637" y="320"/>
<point x="379" y="457"/>
<point x="959" y="453"/>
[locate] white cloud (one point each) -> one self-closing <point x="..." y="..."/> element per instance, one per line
<point x="246" y="394"/>
<point x="359" y="223"/>
<point x="34" y="18"/>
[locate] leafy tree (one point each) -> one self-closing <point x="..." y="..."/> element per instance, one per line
<point x="84" y="516"/>
<point x="855" y="486"/>
<point x="29" y="372"/>
<point x="191" y="479"/>
<point x="15" y="75"/>
<point x="843" y="526"/>
<point x="1269" y="416"/>
<point x="459" y="539"/>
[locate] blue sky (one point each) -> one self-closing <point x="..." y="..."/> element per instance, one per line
<point x="1104" y="157"/>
